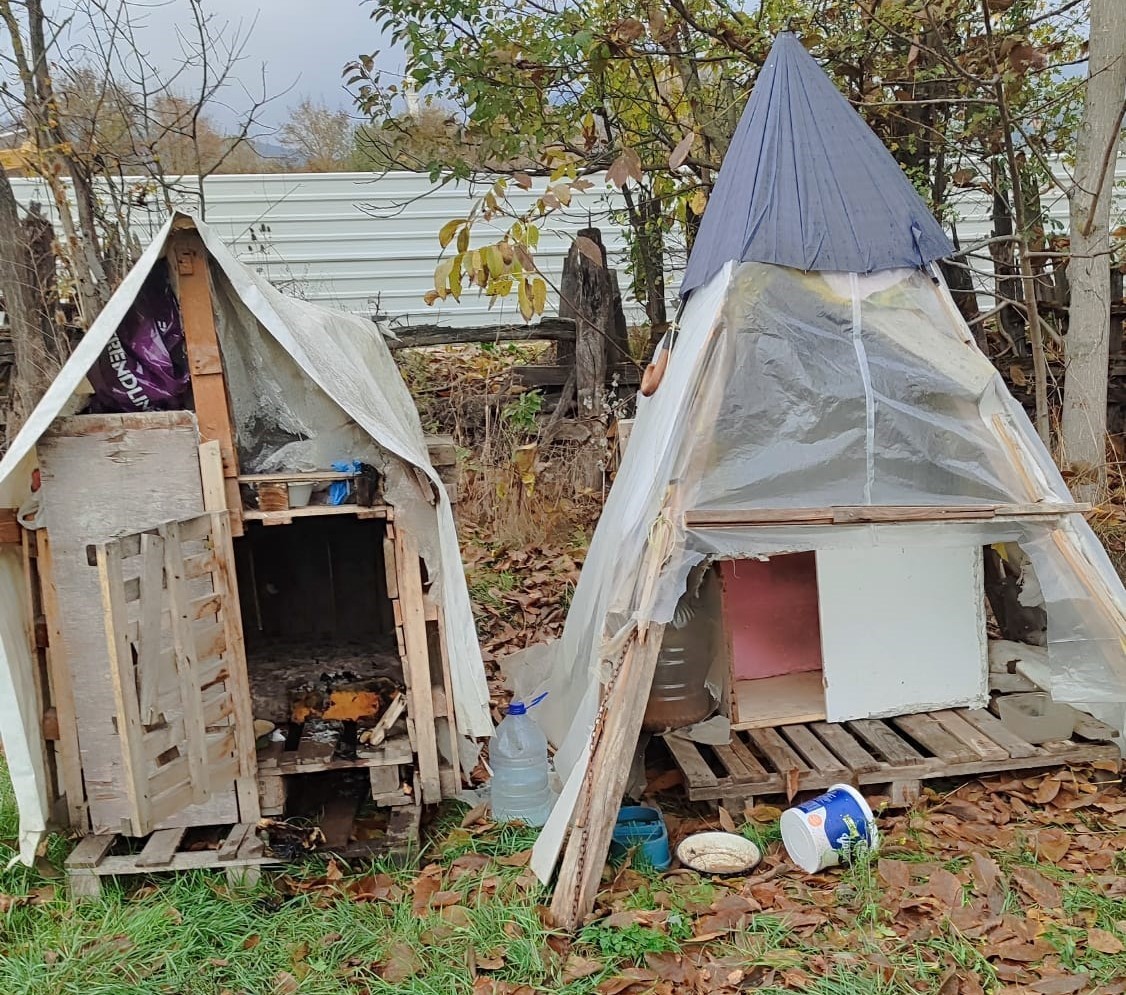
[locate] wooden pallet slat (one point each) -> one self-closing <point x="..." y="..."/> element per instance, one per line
<point x="841" y="742"/>
<point x="757" y="773"/>
<point x="876" y="735"/>
<point x="988" y="723"/>
<point x="813" y="751"/>
<point x="973" y="737"/>
<point x="777" y="751"/>
<point x="927" y="732"/>
<point x="691" y="761"/>
<point x="951" y="743"/>
<point x="160" y="848"/>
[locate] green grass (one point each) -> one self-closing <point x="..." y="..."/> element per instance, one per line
<point x="296" y="935"/>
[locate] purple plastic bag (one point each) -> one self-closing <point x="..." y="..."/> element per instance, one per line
<point x="144" y="366"/>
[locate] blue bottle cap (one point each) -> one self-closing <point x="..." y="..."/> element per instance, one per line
<point x="517" y="708"/>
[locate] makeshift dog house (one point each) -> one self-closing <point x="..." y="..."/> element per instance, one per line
<point x="819" y="471"/>
<point x="179" y="574"/>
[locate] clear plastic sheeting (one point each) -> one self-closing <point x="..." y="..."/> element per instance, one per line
<point x="793" y="390"/>
<point x="848" y="392"/>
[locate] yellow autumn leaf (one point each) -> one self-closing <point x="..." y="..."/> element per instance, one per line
<point x="448" y="230"/>
<point x="463" y="240"/>
<point x="539" y="295"/>
<point x="455" y="277"/>
<point x="524" y="301"/>
<point x="494" y="260"/>
<point x="698" y="202"/>
<point x="442" y="277"/>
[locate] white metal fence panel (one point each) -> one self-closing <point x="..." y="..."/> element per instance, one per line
<point x="368" y="242"/>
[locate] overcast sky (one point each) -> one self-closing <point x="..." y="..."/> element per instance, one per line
<point x="303" y="44"/>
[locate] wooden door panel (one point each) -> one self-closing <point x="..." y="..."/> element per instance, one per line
<point x="179" y="676"/>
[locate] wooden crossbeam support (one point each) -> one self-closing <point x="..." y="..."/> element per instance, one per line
<point x="891" y="514"/>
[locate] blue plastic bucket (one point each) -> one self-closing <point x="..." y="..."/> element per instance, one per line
<point x="828" y="829"/>
<point x="642" y="827"/>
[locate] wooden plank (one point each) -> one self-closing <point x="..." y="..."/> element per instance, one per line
<point x="185" y="860"/>
<point x="416" y="665"/>
<point x="928" y="733"/>
<point x="812" y="750"/>
<point x="853" y="514"/>
<point x="36" y="643"/>
<point x="973" y="737"/>
<point x="876" y="734"/>
<point x="840" y="742"/>
<point x="10" y="529"/>
<point x="315" y="510"/>
<point x="756" y="772"/>
<point x="689" y="759"/>
<point x="149" y="668"/>
<point x="160" y="848"/>
<point x="605" y="776"/>
<point x="736" y="770"/>
<point x="186" y="661"/>
<point x="1088" y="727"/>
<point x="421" y="335"/>
<point x="209" y="388"/>
<point x="451" y="709"/>
<point x="296" y="476"/>
<point x="122" y="675"/>
<point x="988" y="723"/>
<point x="211" y="476"/>
<point x="777" y="750"/>
<point x="773" y="701"/>
<point x="390" y="569"/>
<point x="238" y="678"/>
<point x="91" y="850"/>
<point x="62" y="691"/>
<point x="1086" y="753"/>
<point x="229" y="848"/>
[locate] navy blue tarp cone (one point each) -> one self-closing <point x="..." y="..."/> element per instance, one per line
<point x="807" y="184"/>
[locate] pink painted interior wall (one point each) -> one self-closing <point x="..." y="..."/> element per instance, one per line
<point x="771" y="609"/>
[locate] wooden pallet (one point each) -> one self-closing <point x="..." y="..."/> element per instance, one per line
<point x="900" y="752"/>
<point x="241" y="854"/>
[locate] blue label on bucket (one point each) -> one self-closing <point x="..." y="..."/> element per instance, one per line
<point x="839" y="816"/>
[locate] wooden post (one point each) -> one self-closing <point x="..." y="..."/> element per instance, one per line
<point x="205" y="362"/>
<point x="588" y="293"/>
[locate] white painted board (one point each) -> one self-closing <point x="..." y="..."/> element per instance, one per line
<point x="902" y="629"/>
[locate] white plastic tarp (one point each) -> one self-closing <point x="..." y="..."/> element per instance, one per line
<point x="345" y="356"/>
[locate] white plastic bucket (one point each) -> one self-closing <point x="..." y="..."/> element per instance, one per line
<point x="825" y="830"/>
<point x="299" y="495"/>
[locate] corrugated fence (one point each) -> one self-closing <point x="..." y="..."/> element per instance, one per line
<point x="368" y="243"/>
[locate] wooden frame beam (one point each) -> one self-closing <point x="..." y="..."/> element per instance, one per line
<point x="188" y="257"/>
<point x="875" y="514"/>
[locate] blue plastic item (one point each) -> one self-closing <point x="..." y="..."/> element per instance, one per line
<point x="643" y="828"/>
<point x="339" y="490"/>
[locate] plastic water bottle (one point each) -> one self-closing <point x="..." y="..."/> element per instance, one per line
<point x="518" y="757"/>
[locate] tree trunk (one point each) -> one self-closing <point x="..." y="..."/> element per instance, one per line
<point x="35" y="366"/>
<point x="1084" y="406"/>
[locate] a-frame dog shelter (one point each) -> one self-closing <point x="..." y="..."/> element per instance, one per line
<point x="823" y="400"/>
<point x="164" y="567"/>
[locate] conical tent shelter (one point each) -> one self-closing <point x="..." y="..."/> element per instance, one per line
<point x="823" y="396"/>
